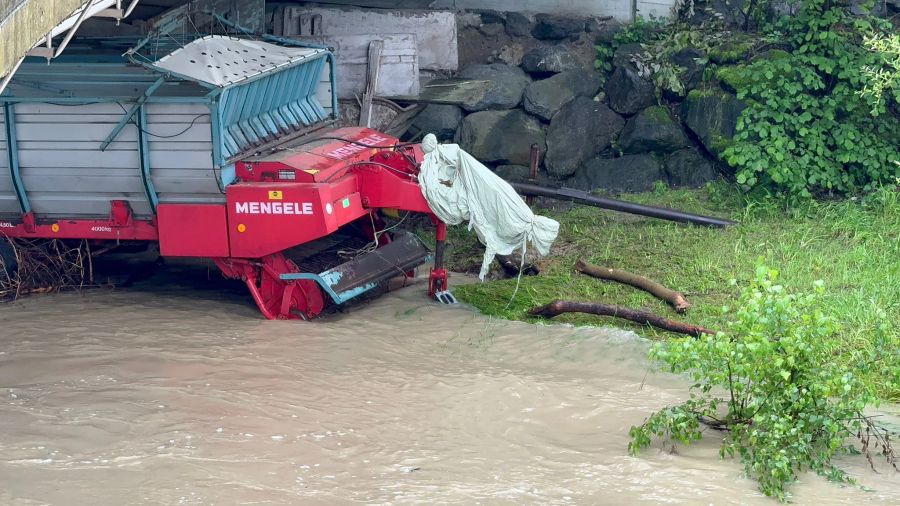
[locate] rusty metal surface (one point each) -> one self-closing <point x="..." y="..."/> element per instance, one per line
<point x="395" y="259"/>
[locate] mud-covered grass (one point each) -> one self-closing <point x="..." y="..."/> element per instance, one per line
<point x="852" y="245"/>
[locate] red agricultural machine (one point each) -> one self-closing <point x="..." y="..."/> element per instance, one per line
<point x="340" y="179"/>
<point x="221" y="149"/>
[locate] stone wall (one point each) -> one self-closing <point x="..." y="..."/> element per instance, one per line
<point x="621" y="137"/>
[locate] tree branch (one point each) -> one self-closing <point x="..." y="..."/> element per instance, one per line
<point x="676" y="299"/>
<point x="559" y="307"/>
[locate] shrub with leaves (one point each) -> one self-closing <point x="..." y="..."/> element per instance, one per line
<point x="774" y="387"/>
<point x="883" y="81"/>
<point x="640" y="30"/>
<point x="808" y="128"/>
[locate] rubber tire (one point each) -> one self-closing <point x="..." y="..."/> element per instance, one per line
<point x="8" y="259"/>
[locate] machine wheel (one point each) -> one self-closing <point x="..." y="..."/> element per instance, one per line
<point x="9" y="267"/>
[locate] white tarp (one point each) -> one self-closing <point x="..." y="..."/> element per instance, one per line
<point x="220" y="60"/>
<point x="459" y="188"/>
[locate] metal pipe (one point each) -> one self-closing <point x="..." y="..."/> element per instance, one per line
<point x="68" y="38"/>
<point x="9" y="76"/>
<point x="532" y="168"/>
<point x="439" y="245"/>
<point x="130" y="8"/>
<point x="583" y="197"/>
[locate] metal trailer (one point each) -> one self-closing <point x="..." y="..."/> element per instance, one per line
<point x="221" y="149"/>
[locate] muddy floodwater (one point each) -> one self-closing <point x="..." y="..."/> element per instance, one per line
<point x="174" y="391"/>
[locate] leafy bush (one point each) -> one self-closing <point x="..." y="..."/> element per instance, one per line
<point x="640" y="30"/>
<point x="884" y="81"/>
<point x="772" y="383"/>
<point x="807" y="128"/>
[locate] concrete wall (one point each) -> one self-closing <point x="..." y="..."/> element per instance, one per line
<point x="26" y="24"/>
<point x="435" y="32"/>
<point x="654" y="8"/>
<point x="623" y="10"/>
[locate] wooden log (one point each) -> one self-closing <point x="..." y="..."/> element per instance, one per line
<point x="559" y="307"/>
<point x="676" y="299"/>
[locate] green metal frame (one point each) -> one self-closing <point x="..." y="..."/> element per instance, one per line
<point x="144" y="148"/>
<point x="138" y="105"/>
<point x="12" y="151"/>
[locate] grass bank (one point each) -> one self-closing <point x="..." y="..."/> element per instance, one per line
<point x="852" y="245"/>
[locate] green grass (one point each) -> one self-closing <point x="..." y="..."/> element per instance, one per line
<point x="852" y="245"/>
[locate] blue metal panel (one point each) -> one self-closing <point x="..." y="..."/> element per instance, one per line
<point x="259" y="110"/>
<point x="283" y="121"/>
<point x="218" y="143"/>
<point x="326" y="280"/>
<point x="334" y="98"/>
<point x="144" y="148"/>
<point x="256" y="110"/>
<point x="12" y="150"/>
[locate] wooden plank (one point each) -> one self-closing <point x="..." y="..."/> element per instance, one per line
<point x="188" y="187"/>
<point x="93" y="133"/>
<point x="71" y="146"/>
<point x="72" y="205"/>
<point x="373" y="66"/>
<point x="44" y="108"/>
<point x="183" y="173"/>
<point x="81" y="183"/>
<point x="69" y="119"/>
<point x="448" y="91"/>
<point x="50" y="172"/>
<point x="9" y="205"/>
<point x="182" y="119"/>
<point x="62" y="158"/>
<point x="189" y="160"/>
<point x="191" y="109"/>
<point x="181" y="146"/>
<point x="184" y="132"/>
<point x="207" y="198"/>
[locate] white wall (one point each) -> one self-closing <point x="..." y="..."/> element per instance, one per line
<point x="654" y="8"/>
<point x="619" y="9"/>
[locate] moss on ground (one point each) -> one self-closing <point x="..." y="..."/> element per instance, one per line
<point x="730" y="52"/>
<point x="852" y="245"/>
<point x="736" y="77"/>
<point x="658" y="114"/>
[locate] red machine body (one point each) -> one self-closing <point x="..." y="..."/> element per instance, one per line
<point x="303" y="192"/>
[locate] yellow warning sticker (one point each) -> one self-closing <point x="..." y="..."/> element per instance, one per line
<point x="311" y="172"/>
<point x="275" y="195"/>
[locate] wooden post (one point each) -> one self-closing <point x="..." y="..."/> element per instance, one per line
<point x="376" y="47"/>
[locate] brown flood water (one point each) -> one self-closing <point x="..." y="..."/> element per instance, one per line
<point x="178" y="393"/>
